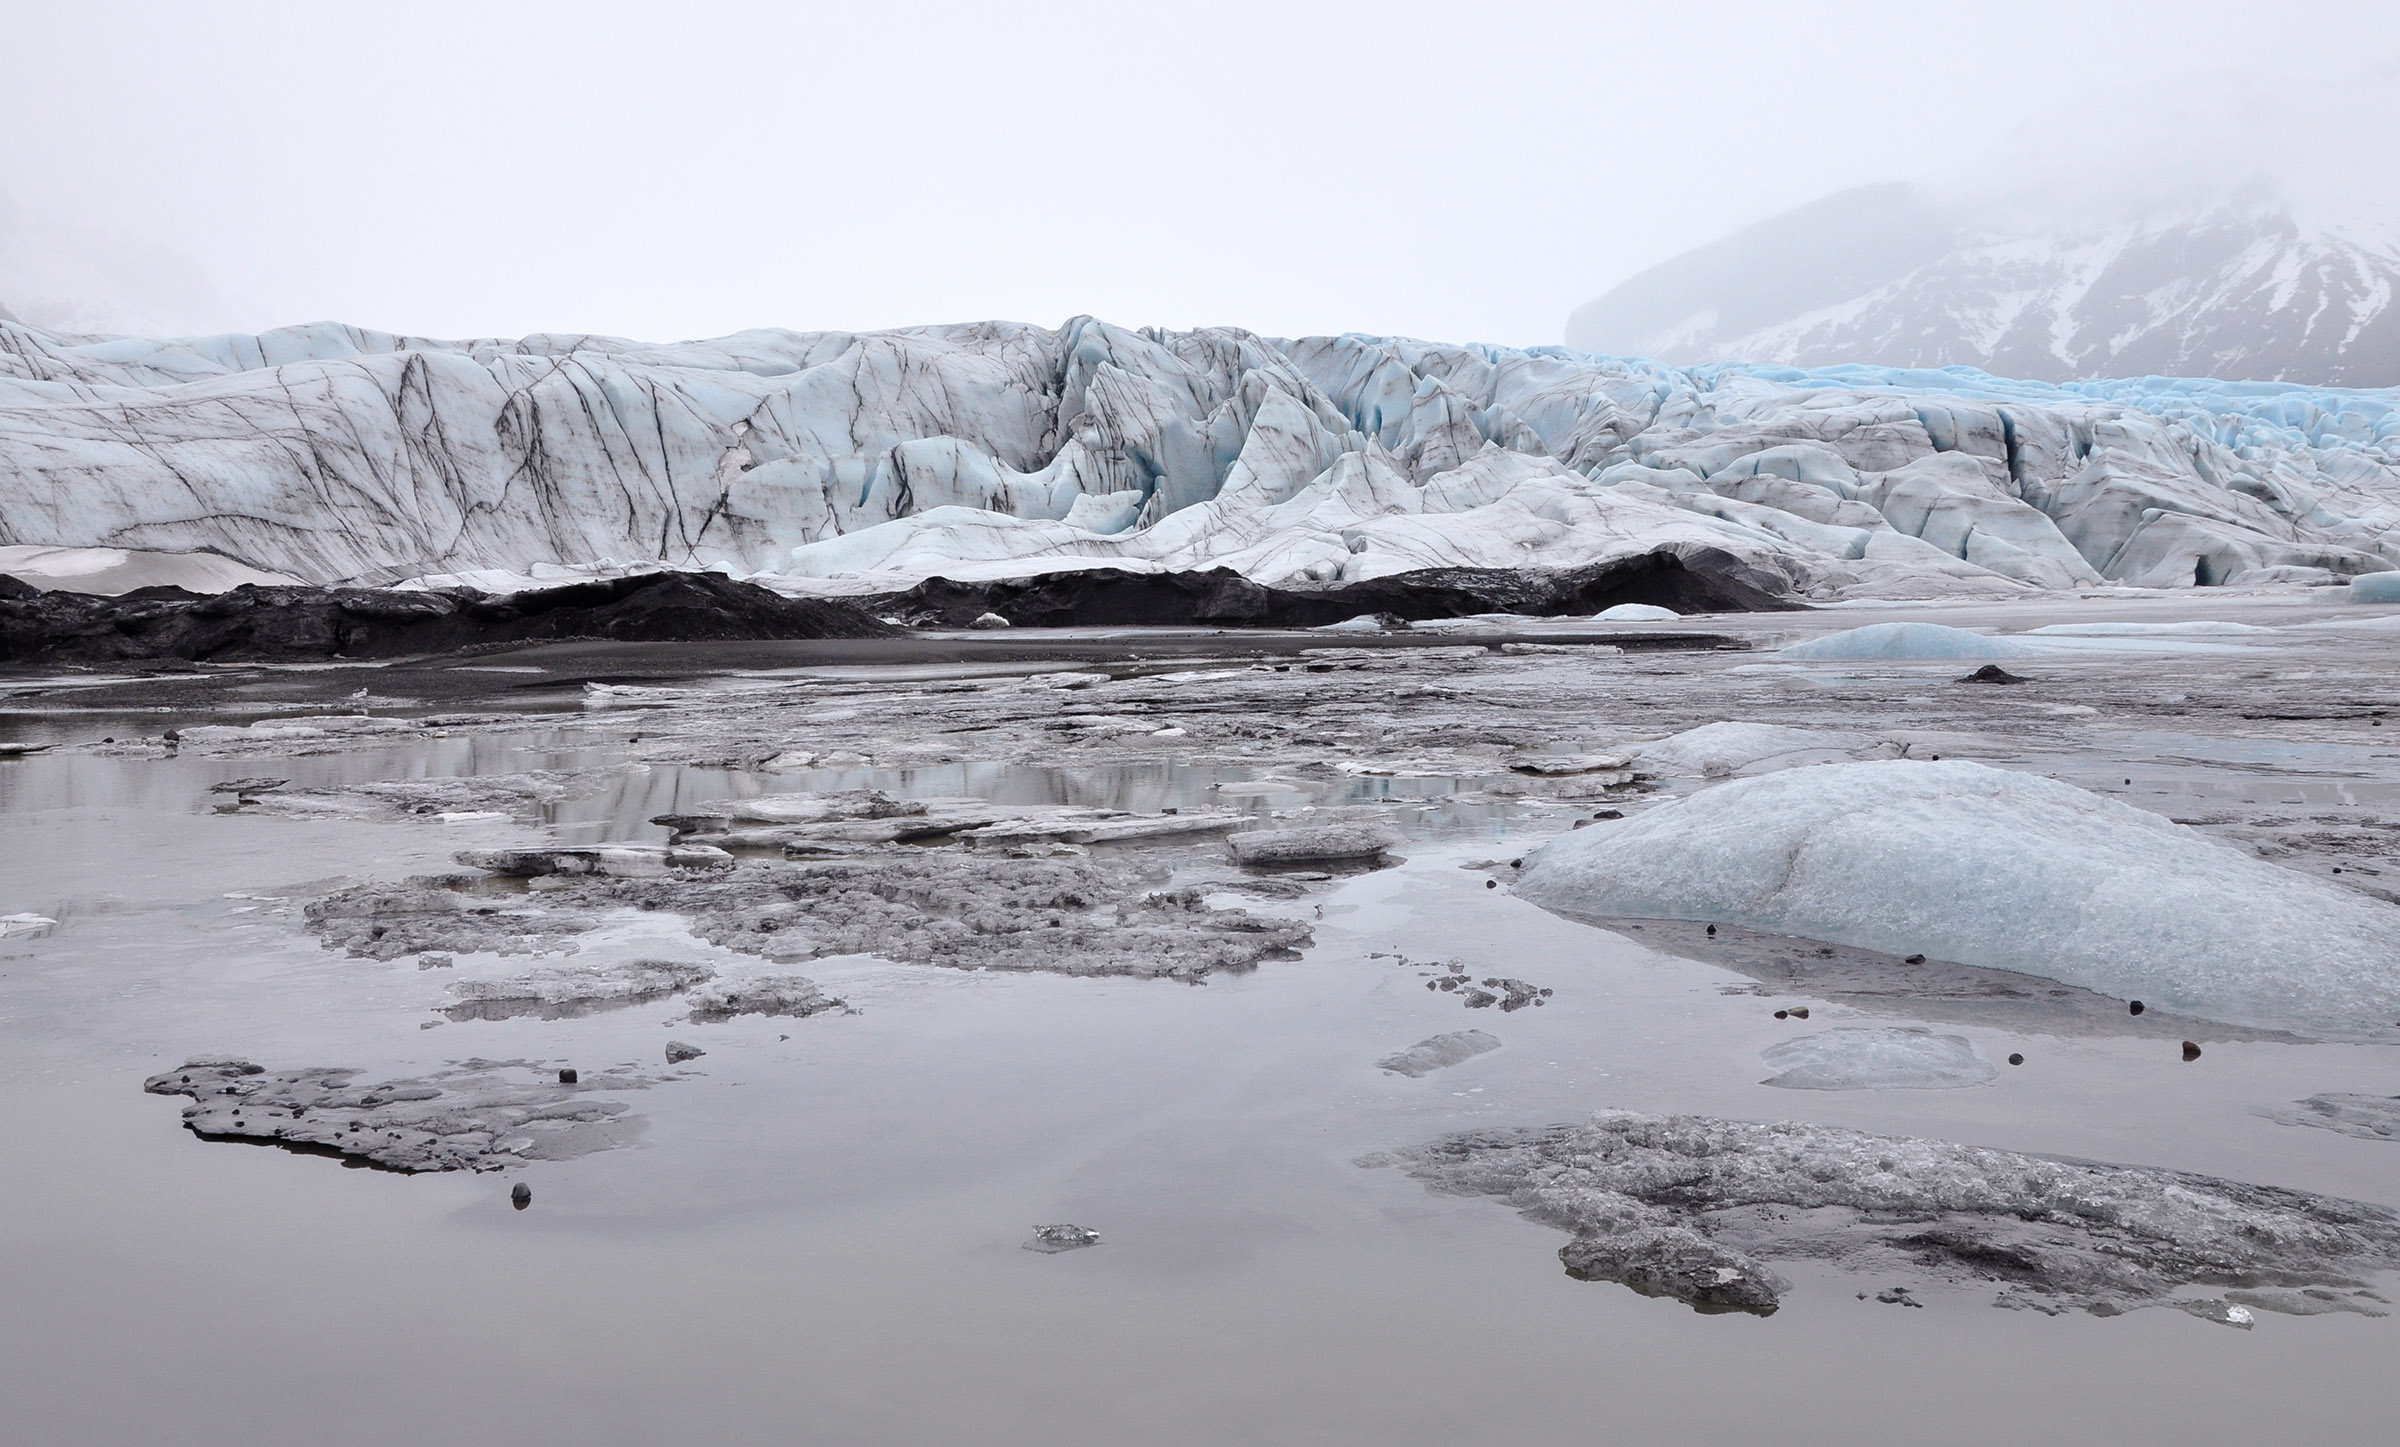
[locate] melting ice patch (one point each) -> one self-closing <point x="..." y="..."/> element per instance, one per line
<point x="1904" y="643"/>
<point x="1869" y="1057"/>
<point x="2000" y="869"/>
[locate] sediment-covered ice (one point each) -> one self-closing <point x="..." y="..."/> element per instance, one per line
<point x="481" y="1115"/>
<point x="2007" y="870"/>
<point x="853" y="461"/>
<point x="1874" y="1057"/>
<point x="793" y="995"/>
<point x="565" y="991"/>
<point x="965" y="910"/>
<point x="1904" y="643"/>
<point x="1344" y="839"/>
<point x="1697" y="1209"/>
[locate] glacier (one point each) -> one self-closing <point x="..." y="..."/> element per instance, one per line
<point x="2000" y="869"/>
<point x="857" y="462"/>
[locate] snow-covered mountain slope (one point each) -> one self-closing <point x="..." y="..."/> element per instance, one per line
<point x="851" y="462"/>
<point x="1887" y="275"/>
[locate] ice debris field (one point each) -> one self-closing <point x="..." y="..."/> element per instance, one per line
<point x="855" y="462"/>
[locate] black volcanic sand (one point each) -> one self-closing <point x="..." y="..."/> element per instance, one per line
<point x="289" y="624"/>
<point x="1708" y="580"/>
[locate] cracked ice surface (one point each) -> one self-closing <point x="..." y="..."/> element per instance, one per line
<point x="861" y="461"/>
<point x="2001" y="869"/>
<point x="1695" y="1208"/>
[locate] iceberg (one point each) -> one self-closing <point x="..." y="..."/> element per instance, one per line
<point x="857" y="463"/>
<point x="1999" y="869"/>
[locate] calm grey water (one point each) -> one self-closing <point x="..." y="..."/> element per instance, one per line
<point x="817" y="1239"/>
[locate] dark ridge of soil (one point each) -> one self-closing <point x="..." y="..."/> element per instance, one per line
<point x="262" y="624"/>
<point x="1706" y="580"/>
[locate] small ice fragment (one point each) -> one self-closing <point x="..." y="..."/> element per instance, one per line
<point x="1439" y="1052"/>
<point x="1064" y="1236"/>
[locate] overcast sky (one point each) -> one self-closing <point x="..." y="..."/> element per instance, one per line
<point x="1457" y="171"/>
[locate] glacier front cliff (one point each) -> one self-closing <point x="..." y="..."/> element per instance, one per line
<point x="853" y="461"/>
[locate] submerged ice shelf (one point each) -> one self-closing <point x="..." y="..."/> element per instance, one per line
<point x="864" y="462"/>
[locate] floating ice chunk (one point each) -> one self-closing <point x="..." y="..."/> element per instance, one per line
<point x="1363" y="623"/>
<point x="795" y="995"/>
<point x="2374" y="588"/>
<point x="2000" y="869"/>
<point x="1869" y="1057"/>
<point x="1362" y="840"/>
<point x="25" y="924"/>
<point x="1904" y="643"/>
<point x="1718" y="750"/>
<point x="1636" y="613"/>
<point x="1061" y="1236"/>
<point x="1440" y="1052"/>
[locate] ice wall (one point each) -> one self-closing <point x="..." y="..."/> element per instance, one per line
<point x="327" y="452"/>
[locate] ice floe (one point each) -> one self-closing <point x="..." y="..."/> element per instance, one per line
<point x="2001" y="869"/>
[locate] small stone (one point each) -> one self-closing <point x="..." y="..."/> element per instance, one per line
<point x="2191" y="1051"/>
<point x="1491" y="884"/>
<point x="1783" y="1014"/>
<point x="678" y="1052"/>
<point x="1712" y="930"/>
<point x="568" y="1076"/>
<point x="521" y="1196"/>
<point x="2015" y="1059"/>
<point x="1799" y="1012"/>
<point x="2135" y="1007"/>
<point x="1914" y="960"/>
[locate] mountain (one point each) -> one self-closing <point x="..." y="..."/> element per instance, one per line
<point x="2243" y="287"/>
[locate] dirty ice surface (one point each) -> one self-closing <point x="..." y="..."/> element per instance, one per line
<point x="794" y="994"/>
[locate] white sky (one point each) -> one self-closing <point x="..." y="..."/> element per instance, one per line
<point x="1457" y="171"/>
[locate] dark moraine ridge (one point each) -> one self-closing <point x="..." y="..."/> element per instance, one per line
<point x="1704" y="580"/>
<point x="271" y="623"/>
